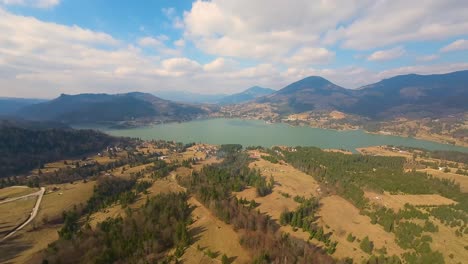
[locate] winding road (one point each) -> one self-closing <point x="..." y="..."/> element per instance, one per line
<point x="40" y="194"/>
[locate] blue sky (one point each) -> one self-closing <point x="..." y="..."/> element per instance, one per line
<point x="48" y="47"/>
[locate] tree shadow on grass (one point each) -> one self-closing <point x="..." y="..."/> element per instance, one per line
<point x="196" y="233"/>
<point x="11" y="248"/>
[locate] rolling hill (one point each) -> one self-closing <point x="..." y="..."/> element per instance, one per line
<point x="245" y="96"/>
<point x="108" y="107"/>
<point x="414" y="95"/>
<point x="311" y="93"/>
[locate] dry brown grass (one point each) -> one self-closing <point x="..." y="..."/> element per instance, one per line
<point x="343" y="218"/>
<point x="273" y="204"/>
<point x="338" y="151"/>
<point x="288" y="179"/>
<point x="447" y="243"/>
<point x="127" y="170"/>
<point x="461" y="179"/>
<point x="337" y="213"/>
<point x="14" y="213"/>
<point x="67" y="195"/>
<point x="38" y="234"/>
<point x="384" y="151"/>
<point x="15" y="191"/>
<point x="396" y="202"/>
<point x="211" y="233"/>
<point x="25" y="244"/>
<point x="113" y="211"/>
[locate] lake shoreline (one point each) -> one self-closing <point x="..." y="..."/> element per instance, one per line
<point x="251" y="132"/>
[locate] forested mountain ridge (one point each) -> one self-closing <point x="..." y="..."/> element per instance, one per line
<point x="409" y="95"/>
<point x="108" y="107"/>
<point x="311" y="93"/>
<point x="10" y="105"/>
<point x="414" y="95"/>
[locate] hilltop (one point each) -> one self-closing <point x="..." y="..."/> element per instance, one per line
<point x="109" y="107"/>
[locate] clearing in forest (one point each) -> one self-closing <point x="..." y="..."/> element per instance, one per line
<point x="397" y="201"/>
<point x="461" y="179"/>
<point x="287" y="178"/>
<point x="210" y="233"/>
<point x="343" y="218"/>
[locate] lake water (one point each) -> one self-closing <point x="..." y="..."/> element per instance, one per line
<point x="259" y="133"/>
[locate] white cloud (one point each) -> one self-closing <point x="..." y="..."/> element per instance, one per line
<point x="220" y="65"/>
<point x="428" y="57"/>
<point x="308" y="55"/>
<point x="180" y="64"/>
<point x="383" y="23"/>
<point x="354" y="77"/>
<point x="32" y="3"/>
<point x="423" y="69"/>
<point x="461" y="44"/>
<point x="158" y="45"/>
<point x="41" y="59"/>
<point x="263" y="29"/>
<point x="179" y="43"/>
<point x="388" y="54"/>
<point x="267" y="29"/>
<point x="216" y="65"/>
<point x="150" y="42"/>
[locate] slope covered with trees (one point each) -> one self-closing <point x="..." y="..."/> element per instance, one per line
<point x="23" y="149"/>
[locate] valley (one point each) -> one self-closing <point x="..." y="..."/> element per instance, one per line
<point x="428" y="107"/>
<point x="334" y="219"/>
<point x="233" y="132"/>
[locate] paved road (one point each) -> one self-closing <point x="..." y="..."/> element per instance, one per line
<point x="40" y="194"/>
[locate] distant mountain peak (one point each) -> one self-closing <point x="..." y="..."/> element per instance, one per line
<point x="247" y="95"/>
<point x="311" y="83"/>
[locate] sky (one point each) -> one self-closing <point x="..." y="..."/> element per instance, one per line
<point x="50" y="47"/>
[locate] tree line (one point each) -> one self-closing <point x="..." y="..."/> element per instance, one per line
<point x="23" y="149"/>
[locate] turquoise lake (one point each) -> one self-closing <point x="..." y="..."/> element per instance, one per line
<point x="259" y="133"/>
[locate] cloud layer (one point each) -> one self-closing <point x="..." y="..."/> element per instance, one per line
<point x="226" y="46"/>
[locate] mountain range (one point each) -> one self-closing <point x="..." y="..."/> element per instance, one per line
<point x="409" y="95"/>
<point x="107" y="107"/>
<point x="412" y="96"/>
<point x="222" y="99"/>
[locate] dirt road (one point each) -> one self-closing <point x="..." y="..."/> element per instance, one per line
<point x="40" y="194"/>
